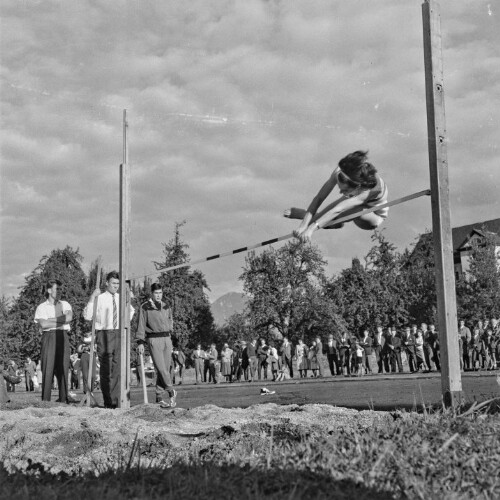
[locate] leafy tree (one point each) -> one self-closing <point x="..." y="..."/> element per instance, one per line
<point x="64" y="265"/>
<point x="184" y="291"/>
<point x="419" y="271"/>
<point x="374" y="294"/>
<point x="285" y="287"/>
<point x="478" y="289"/>
<point x="236" y="327"/>
<point x="9" y="343"/>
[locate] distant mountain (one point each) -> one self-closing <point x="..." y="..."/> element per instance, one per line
<point x="227" y="305"/>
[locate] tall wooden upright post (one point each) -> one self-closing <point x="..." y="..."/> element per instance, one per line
<point x="124" y="272"/>
<point x="451" y="381"/>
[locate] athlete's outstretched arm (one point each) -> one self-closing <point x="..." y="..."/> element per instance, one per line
<point x="325" y="190"/>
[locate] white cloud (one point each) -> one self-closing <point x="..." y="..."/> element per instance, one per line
<point x="237" y="110"/>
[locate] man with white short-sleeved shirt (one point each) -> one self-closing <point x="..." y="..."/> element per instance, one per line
<point x="54" y="317"/>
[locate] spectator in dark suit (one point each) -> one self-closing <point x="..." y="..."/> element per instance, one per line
<point x="426" y="335"/>
<point x="408" y="346"/>
<point x="344" y="347"/>
<point x="249" y="360"/>
<point x="331" y="355"/>
<point x="287" y="355"/>
<point x="237" y="369"/>
<point x="262" y="353"/>
<point x="387" y="350"/>
<point x="396" y="353"/>
<point x="436" y="352"/>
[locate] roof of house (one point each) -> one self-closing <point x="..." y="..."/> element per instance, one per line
<point x="462" y="233"/>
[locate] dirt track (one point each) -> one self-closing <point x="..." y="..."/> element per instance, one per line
<point x="379" y="392"/>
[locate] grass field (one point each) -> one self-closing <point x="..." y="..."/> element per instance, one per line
<point x="432" y="453"/>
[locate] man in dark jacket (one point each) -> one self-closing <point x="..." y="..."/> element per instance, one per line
<point x="262" y="353"/>
<point x="287" y="355"/>
<point x="396" y="353"/>
<point x="155" y="327"/>
<point x="435" y="346"/>
<point x="249" y="360"/>
<point x="408" y="345"/>
<point x="344" y="347"/>
<point x="331" y="355"/>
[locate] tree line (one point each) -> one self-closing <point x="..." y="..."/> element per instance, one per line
<point x="287" y="288"/>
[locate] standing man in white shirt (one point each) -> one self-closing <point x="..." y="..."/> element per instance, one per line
<point x="108" y="337"/>
<point x="54" y="317"/>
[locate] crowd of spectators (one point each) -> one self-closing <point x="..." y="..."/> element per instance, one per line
<point x="412" y="349"/>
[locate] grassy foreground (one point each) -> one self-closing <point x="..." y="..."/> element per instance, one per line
<point x="438" y="455"/>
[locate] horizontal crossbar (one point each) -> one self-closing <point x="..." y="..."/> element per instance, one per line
<point x="347" y="218"/>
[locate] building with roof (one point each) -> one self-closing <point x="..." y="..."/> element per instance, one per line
<point x="464" y="237"/>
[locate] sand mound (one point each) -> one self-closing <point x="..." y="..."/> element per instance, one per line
<point x="78" y="440"/>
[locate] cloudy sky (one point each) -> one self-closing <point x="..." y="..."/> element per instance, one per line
<point x="237" y="109"/>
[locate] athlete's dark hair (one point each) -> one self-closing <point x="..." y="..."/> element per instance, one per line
<point x="113" y="274"/>
<point x="358" y="169"/>
<point x="155" y="286"/>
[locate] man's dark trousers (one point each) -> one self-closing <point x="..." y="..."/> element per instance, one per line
<point x="333" y="363"/>
<point x="85" y="364"/>
<point x="55" y="361"/>
<point x="262" y="365"/>
<point x="109" y="352"/>
<point x="288" y="363"/>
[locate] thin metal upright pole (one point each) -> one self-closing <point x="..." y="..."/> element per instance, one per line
<point x="124" y="272"/>
<point x="451" y="381"/>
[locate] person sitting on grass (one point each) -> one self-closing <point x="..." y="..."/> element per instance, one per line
<point x="360" y="187"/>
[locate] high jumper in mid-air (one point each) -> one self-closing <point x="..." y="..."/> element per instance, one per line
<point x="360" y="186"/>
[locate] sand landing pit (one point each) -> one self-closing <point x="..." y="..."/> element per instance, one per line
<point x="77" y="440"/>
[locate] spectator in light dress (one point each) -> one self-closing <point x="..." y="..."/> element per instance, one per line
<point x="301" y="353"/>
<point x="227" y="363"/>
